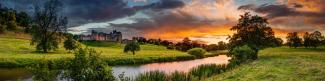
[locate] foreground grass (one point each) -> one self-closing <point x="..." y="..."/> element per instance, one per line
<point x="280" y="64"/>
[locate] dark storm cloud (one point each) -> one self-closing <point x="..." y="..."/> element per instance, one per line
<point x="270" y="10"/>
<point x="166" y="21"/>
<point x="87" y="11"/>
<point x="165" y="4"/>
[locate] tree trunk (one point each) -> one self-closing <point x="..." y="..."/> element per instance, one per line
<point x="133" y="52"/>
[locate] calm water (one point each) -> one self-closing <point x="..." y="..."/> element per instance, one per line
<point x="130" y="71"/>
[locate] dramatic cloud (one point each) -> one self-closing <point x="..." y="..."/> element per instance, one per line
<point x="292" y="15"/>
<point x="176" y="19"/>
<point x="193" y="19"/>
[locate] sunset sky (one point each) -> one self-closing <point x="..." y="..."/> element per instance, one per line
<point x="206" y="20"/>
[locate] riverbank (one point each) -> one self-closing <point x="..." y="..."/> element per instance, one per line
<point x="17" y="52"/>
<point x="280" y="64"/>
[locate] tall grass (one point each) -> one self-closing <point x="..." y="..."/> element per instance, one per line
<point x="199" y="73"/>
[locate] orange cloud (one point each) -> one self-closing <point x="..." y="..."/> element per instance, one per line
<point x="166" y="33"/>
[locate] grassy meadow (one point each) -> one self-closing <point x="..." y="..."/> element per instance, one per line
<point x="16" y="51"/>
<point x="280" y="64"/>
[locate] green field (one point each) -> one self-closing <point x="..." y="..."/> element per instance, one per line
<point x="280" y="64"/>
<point x="16" y="52"/>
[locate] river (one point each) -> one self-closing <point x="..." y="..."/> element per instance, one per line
<point x="14" y="74"/>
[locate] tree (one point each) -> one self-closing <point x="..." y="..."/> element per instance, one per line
<point x="24" y="20"/>
<point x="48" y="27"/>
<point x="253" y="31"/>
<point x="70" y="43"/>
<point x="307" y="40"/>
<point x="211" y="47"/>
<point x="293" y="40"/>
<point x="278" y="42"/>
<point x="222" y="45"/>
<point x="186" y="44"/>
<point x="132" y="46"/>
<point x="315" y="39"/>
<point x="88" y="66"/>
<point x="12" y="24"/>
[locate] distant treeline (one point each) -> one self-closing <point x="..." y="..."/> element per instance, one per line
<point x="183" y="45"/>
<point x="314" y="39"/>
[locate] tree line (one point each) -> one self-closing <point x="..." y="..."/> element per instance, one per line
<point x="308" y="40"/>
<point x="12" y="20"/>
<point x="183" y="45"/>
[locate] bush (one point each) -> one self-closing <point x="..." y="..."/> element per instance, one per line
<point x="198" y="52"/>
<point x="243" y="53"/>
<point x="88" y="66"/>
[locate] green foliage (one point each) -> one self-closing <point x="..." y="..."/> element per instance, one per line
<point x="11" y="20"/>
<point x="253" y="31"/>
<point x="293" y="40"/>
<point x="132" y="46"/>
<point x="71" y="44"/>
<point x="243" y="53"/>
<point x="88" y="66"/>
<point x="49" y="26"/>
<point x="152" y="76"/>
<point x="198" y="52"/>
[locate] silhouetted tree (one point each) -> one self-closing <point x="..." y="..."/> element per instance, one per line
<point x="316" y="38"/>
<point x="211" y="47"/>
<point x="132" y="46"/>
<point x="278" y="42"/>
<point x="222" y="45"/>
<point x="24" y="20"/>
<point x="307" y="40"/>
<point x="12" y="24"/>
<point x="48" y="28"/>
<point x="253" y="31"/>
<point x="293" y="40"/>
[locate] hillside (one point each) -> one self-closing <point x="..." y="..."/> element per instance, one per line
<point x="280" y="64"/>
<point x="18" y="51"/>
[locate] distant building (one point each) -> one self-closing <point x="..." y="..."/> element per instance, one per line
<point x="114" y="36"/>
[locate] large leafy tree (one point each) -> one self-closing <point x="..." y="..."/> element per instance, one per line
<point x="293" y="40"/>
<point x="132" y="46"/>
<point x="49" y="26"/>
<point x="253" y="31"/>
<point x="70" y="43"/>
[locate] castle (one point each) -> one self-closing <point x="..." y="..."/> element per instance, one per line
<point x="114" y="36"/>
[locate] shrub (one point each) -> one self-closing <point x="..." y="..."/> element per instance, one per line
<point x="243" y="53"/>
<point x="88" y="66"/>
<point x="198" y="52"/>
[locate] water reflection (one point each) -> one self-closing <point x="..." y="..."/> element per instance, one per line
<point x="169" y="67"/>
<point x="7" y="74"/>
